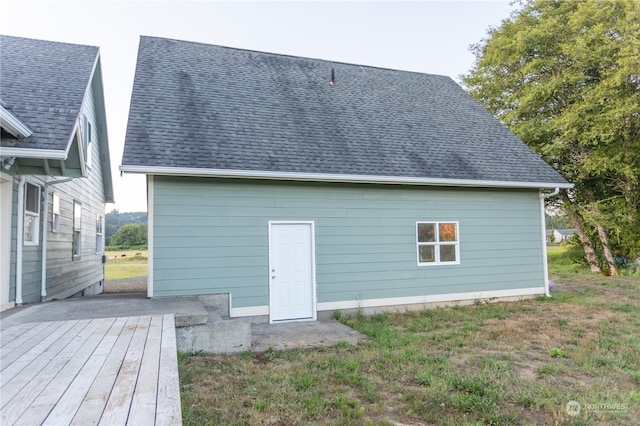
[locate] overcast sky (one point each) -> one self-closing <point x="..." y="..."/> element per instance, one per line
<point x="428" y="36"/>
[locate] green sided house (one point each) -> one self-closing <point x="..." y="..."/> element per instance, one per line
<point x="298" y="185"/>
<point x="55" y="175"/>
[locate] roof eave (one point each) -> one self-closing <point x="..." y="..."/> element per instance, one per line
<point x="49" y="154"/>
<point x="12" y="124"/>
<point x="324" y="177"/>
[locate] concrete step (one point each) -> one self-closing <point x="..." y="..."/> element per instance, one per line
<point x="211" y="330"/>
<point x="223" y="336"/>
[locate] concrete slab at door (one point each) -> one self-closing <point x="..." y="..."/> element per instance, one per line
<point x="291" y="271"/>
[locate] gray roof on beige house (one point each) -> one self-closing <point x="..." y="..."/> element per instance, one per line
<point x="43" y="85"/>
<point x="199" y="109"/>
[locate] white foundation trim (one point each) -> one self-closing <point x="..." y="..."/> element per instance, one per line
<point x="435" y="298"/>
<point x="402" y="301"/>
<point x="249" y="311"/>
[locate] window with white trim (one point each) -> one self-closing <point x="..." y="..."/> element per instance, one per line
<point x="99" y="234"/>
<point x="31" y="214"/>
<point x="77" y="230"/>
<point x="55" y="213"/>
<point x="437" y="243"/>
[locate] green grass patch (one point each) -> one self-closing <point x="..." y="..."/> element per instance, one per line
<point x="502" y="363"/>
<point x="121" y="271"/>
<point x="123" y="264"/>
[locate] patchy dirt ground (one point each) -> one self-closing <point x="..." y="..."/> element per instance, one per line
<point x="127" y="285"/>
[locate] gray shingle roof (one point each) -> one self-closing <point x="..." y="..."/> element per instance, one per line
<point x="43" y="83"/>
<point x="202" y="106"/>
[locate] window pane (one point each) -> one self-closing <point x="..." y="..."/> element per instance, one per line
<point x="29" y="222"/>
<point x="56" y="203"/>
<point x="427" y="253"/>
<point x="77" y="216"/>
<point x="447" y="232"/>
<point x="76" y="243"/>
<point x="447" y="253"/>
<point x="55" y="225"/>
<point x="426" y="232"/>
<point x="32" y="194"/>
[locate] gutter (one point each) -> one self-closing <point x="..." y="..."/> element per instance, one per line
<point x="45" y="213"/>
<point x="12" y="124"/>
<point x="20" y="240"/>
<point x="49" y="154"/>
<point x="543" y="225"/>
<point x="333" y="177"/>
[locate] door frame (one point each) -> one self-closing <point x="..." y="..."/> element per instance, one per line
<point x="6" y="200"/>
<point x="314" y="310"/>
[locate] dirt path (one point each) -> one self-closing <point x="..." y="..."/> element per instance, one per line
<point x="127" y="285"/>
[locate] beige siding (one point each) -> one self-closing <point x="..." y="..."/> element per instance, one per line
<point x="65" y="275"/>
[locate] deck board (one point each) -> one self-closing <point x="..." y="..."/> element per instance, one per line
<point x="67" y="406"/>
<point x="143" y="405"/>
<point x="102" y="371"/>
<point x="168" y="410"/>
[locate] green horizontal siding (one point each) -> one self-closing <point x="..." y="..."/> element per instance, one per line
<point x="211" y="236"/>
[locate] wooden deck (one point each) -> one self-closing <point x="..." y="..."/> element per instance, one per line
<point x="108" y="371"/>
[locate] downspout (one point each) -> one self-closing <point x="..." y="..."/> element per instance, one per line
<point x="20" y="240"/>
<point x="45" y="213"/>
<point x="543" y="225"/>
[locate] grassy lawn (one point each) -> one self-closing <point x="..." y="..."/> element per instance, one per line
<point x="133" y="264"/>
<point x="504" y="363"/>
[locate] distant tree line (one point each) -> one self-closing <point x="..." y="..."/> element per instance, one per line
<point x="126" y="229"/>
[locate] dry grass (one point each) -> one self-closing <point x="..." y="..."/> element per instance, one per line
<point x="505" y="363"/>
<point x="123" y="264"/>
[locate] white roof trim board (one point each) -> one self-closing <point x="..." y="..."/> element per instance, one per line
<point x="318" y="177"/>
<point x="13" y="124"/>
<point x="49" y="154"/>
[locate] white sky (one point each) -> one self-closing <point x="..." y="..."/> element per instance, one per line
<point x="428" y="36"/>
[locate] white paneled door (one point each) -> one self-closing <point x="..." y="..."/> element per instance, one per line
<point x="291" y="271"/>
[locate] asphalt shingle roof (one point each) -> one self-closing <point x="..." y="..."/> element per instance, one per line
<point x="210" y="107"/>
<point x="43" y="83"/>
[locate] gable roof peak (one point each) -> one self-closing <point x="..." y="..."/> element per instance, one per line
<point x="201" y="108"/>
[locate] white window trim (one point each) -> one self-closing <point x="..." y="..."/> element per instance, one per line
<point x="55" y="213"/>
<point x="34" y="214"/>
<point x="100" y="234"/>
<point x="437" y="244"/>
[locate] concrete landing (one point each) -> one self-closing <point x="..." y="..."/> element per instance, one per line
<point x="188" y="310"/>
<point x="202" y="323"/>
<point x="310" y="334"/>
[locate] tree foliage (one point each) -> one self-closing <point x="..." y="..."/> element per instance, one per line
<point x="114" y="220"/>
<point x="564" y="76"/>
<point x="130" y="235"/>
